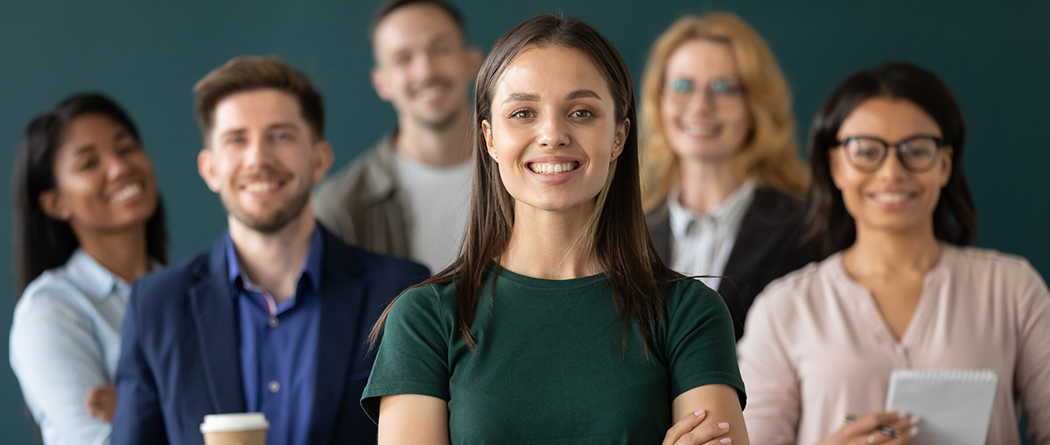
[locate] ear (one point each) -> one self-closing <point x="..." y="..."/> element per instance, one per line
<point x="835" y="165"/>
<point x="946" y="164"/>
<point x="324" y="160"/>
<point x="51" y="206"/>
<point x="486" y="130"/>
<point x="206" y="168"/>
<point x="621" y="139"/>
<point x="379" y="84"/>
<point x="474" y="58"/>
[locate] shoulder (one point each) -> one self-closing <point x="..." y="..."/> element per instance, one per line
<point x="691" y="298"/>
<point x="784" y="294"/>
<point x="772" y="203"/>
<point x="989" y="266"/>
<point x="358" y="177"/>
<point x="177" y="275"/>
<point x="432" y="303"/>
<point x="51" y="296"/>
<point x="376" y="264"/>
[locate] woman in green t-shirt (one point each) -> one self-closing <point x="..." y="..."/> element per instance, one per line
<point x="558" y="323"/>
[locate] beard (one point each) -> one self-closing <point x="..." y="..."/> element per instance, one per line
<point x="274" y="220"/>
<point x="440" y="125"/>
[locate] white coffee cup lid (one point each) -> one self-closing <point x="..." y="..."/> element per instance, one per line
<point x="234" y="422"/>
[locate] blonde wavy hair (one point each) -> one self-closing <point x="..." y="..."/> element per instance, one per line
<point x="770" y="153"/>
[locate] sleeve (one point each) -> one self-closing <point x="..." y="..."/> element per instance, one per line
<point x="58" y="358"/>
<point x="139" y="418"/>
<point x="1033" y="375"/>
<point x="700" y="341"/>
<point x="413" y="355"/>
<point x="772" y="416"/>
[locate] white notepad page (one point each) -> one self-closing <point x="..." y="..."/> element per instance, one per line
<point x="954" y="406"/>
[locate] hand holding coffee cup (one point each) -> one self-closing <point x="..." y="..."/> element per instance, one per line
<point x="237" y="428"/>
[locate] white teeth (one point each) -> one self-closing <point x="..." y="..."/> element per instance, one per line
<point x="259" y="187"/>
<point x="702" y="130"/>
<point x="548" y="169"/>
<point x="126" y="192"/>
<point x="430" y="93"/>
<point x="891" y="198"/>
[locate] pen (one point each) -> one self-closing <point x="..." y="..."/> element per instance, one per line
<point x="849" y="418"/>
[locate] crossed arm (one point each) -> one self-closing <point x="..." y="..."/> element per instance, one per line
<point x="419" y="419"/>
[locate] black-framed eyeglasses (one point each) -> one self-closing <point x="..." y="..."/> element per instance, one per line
<point x="917" y="154"/>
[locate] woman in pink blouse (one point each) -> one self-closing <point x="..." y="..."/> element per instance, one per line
<point x="903" y="289"/>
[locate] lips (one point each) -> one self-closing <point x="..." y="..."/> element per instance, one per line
<point x="127" y="192"/>
<point x="703" y="130"/>
<point x="550" y="168"/>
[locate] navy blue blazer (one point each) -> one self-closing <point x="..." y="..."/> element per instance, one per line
<point x="180" y="356"/>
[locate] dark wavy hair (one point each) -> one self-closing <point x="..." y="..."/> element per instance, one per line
<point x="42" y="243"/>
<point x="830" y="226"/>
<point x="617" y="232"/>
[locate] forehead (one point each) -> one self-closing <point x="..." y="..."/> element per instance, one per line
<point x="414" y="25"/>
<point x="702" y="58"/>
<point x="555" y="70"/>
<point x="889" y="119"/>
<point x="256" y="108"/>
<point x="91" y="128"/>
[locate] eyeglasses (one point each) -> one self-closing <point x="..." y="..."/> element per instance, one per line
<point x="917" y="154"/>
<point x="680" y="91"/>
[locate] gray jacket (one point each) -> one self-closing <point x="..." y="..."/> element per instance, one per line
<point x="362" y="204"/>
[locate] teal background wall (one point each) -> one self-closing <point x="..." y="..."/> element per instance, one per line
<point x="147" y="55"/>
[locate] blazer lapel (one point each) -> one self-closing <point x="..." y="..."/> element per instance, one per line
<point x="339" y="340"/>
<point x="659" y="222"/>
<point x="215" y="317"/>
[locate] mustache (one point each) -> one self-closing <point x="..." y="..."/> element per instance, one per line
<point x="435" y="81"/>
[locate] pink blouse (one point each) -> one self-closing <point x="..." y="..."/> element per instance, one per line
<point x="815" y="345"/>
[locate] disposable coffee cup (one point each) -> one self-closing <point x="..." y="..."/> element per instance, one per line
<point x="244" y="428"/>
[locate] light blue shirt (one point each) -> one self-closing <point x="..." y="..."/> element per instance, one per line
<point x="65" y="340"/>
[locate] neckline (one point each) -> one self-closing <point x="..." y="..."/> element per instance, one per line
<point x="544" y="283"/>
<point x="867" y="303"/>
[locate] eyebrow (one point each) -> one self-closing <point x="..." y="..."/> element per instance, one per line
<point x="282" y="126"/>
<point x="582" y="93"/>
<point x="522" y="97"/>
<point x="84" y="149"/>
<point x="533" y="97"/>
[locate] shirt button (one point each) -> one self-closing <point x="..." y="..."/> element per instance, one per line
<point x="274" y="386"/>
<point x="274" y="322"/>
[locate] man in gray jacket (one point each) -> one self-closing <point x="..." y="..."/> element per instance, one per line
<point x="409" y="194"/>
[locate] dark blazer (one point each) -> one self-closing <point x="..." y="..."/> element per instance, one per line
<point x="180" y="356"/>
<point x="768" y="246"/>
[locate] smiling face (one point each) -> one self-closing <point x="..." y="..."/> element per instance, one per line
<point x="890" y="198"/>
<point x="104" y="180"/>
<point x="704" y="114"/>
<point x="263" y="159"/>
<point x="553" y="130"/>
<point x="423" y="67"/>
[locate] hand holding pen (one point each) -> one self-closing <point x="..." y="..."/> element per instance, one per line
<point x="889" y="428"/>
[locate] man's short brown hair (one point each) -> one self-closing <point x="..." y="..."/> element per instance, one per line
<point x="250" y="73"/>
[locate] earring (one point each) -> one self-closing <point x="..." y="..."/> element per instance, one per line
<point x="617" y="141"/>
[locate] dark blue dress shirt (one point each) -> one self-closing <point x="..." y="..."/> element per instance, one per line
<point x="279" y="346"/>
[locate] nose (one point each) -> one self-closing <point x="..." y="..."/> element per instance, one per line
<point x="892" y="169"/>
<point x="552" y="132"/>
<point x="423" y="65"/>
<point x="702" y="101"/>
<point x="117" y="166"/>
<point x="257" y="154"/>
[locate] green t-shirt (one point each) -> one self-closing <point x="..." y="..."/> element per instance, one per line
<point x="549" y="365"/>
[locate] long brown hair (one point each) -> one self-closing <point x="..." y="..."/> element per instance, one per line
<point x="770" y="154"/>
<point x="620" y="239"/>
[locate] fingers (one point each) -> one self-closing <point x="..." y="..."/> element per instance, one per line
<point x="684" y="426"/>
<point x="891" y="428"/>
<point x="707" y="435"/>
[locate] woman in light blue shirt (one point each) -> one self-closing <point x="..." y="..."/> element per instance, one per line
<point x="88" y="221"/>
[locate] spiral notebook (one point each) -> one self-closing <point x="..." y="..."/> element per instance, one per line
<point x="954" y="406"/>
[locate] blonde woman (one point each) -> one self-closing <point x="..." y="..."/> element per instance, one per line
<point x="721" y="172"/>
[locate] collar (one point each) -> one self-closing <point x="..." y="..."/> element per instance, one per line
<point x="91" y="277"/>
<point x="311" y="266"/>
<point x="730" y="213"/>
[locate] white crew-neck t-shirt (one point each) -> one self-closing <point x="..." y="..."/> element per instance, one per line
<point x="439" y="200"/>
